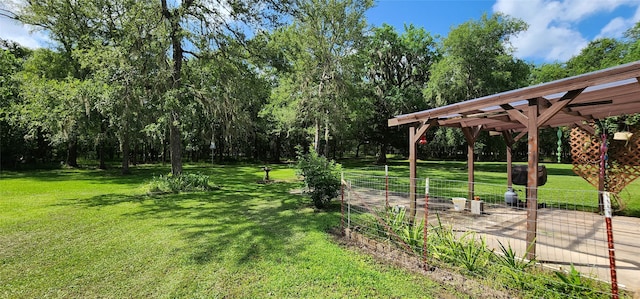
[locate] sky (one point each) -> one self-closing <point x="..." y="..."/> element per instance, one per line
<point x="558" y="29"/>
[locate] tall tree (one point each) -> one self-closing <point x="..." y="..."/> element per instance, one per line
<point x="598" y="54"/>
<point x="12" y="145"/>
<point x="397" y="72"/>
<point x="54" y="101"/>
<point x="477" y="61"/>
<point x="127" y="68"/>
<point x="215" y="21"/>
<point x="323" y="42"/>
<point x="632" y="37"/>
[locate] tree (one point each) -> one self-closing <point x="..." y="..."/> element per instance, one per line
<point x="598" y="54"/>
<point x="216" y="21"/>
<point x="633" y="43"/>
<point x="548" y="72"/>
<point x="12" y="144"/>
<point x="397" y="69"/>
<point x="477" y="61"/>
<point x="127" y="69"/>
<point x="54" y="103"/>
<point x="92" y="26"/>
<point x="322" y="45"/>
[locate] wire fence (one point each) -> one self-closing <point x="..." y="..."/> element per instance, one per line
<point x="573" y="252"/>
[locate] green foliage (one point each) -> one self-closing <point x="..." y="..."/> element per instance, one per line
<point x="393" y="223"/>
<point x="321" y="177"/>
<point x="466" y="251"/>
<point x="573" y="283"/>
<point x="510" y="259"/>
<point x="180" y="183"/>
<point x="397" y="69"/>
<point x="598" y="54"/>
<point x="477" y="60"/>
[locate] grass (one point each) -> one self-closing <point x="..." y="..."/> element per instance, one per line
<point x="92" y="233"/>
<point x="560" y="179"/>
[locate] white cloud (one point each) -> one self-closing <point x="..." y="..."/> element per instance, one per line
<point x="616" y="27"/>
<point x="553" y="33"/>
<point x="13" y="30"/>
<point x="17" y="32"/>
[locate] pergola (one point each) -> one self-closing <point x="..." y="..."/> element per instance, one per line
<point x="568" y="102"/>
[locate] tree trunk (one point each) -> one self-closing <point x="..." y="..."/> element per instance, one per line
<point x="174" y="17"/>
<point x="276" y="149"/>
<point x="175" y="146"/>
<point x="316" y="138"/>
<point x="101" y="144"/>
<point x="382" y="154"/>
<point x="124" y="145"/>
<point x="102" y="164"/>
<point x="326" y="139"/>
<point x="72" y="152"/>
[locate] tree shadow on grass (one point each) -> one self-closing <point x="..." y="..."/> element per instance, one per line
<point x="242" y="223"/>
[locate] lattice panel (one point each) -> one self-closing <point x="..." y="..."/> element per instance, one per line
<point x="623" y="164"/>
<point x="585" y="154"/>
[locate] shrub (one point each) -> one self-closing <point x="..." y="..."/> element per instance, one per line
<point x="321" y="177"/>
<point x="182" y="183"/>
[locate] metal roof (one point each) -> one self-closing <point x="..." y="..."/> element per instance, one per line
<point x="610" y="92"/>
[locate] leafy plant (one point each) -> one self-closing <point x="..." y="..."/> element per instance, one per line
<point x="572" y="282"/>
<point x="442" y="242"/>
<point x="321" y="177"/>
<point x="465" y="251"/>
<point x="181" y="183"/>
<point x="510" y="259"/>
<point x="413" y="235"/>
<point x="471" y="253"/>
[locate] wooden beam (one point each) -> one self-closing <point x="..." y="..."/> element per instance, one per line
<point x="423" y="129"/>
<point x="515" y="114"/>
<point x="519" y="136"/>
<point x="559" y="105"/>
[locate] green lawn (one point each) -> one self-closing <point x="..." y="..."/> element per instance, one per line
<point x="91" y="233"/>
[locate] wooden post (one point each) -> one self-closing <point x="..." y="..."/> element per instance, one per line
<point x="412" y="174"/>
<point x="414" y="135"/>
<point x="471" y="136"/>
<point x="532" y="180"/>
<point x="508" y="139"/>
<point x="470" y="170"/>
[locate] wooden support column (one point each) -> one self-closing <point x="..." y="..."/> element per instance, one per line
<point x="508" y="139"/>
<point x="532" y="180"/>
<point x="412" y="173"/>
<point x="471" y="134"/>
<point x="414" y="136"/>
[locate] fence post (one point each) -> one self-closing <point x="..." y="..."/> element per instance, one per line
<point x="342" y="203"/>
<point x="349" y="205"/>
<point x="426" y="221"/>
<point x="612" y="255"/>
<point x="386" y="185"/>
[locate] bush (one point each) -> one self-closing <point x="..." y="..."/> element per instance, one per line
<point x="182" y="183"/>
<point x="321" y="177"/>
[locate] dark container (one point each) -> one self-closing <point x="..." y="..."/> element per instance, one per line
<point x="519" y="175"/>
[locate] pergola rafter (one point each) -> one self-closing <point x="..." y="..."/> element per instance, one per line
<point x="568" y="102"/>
